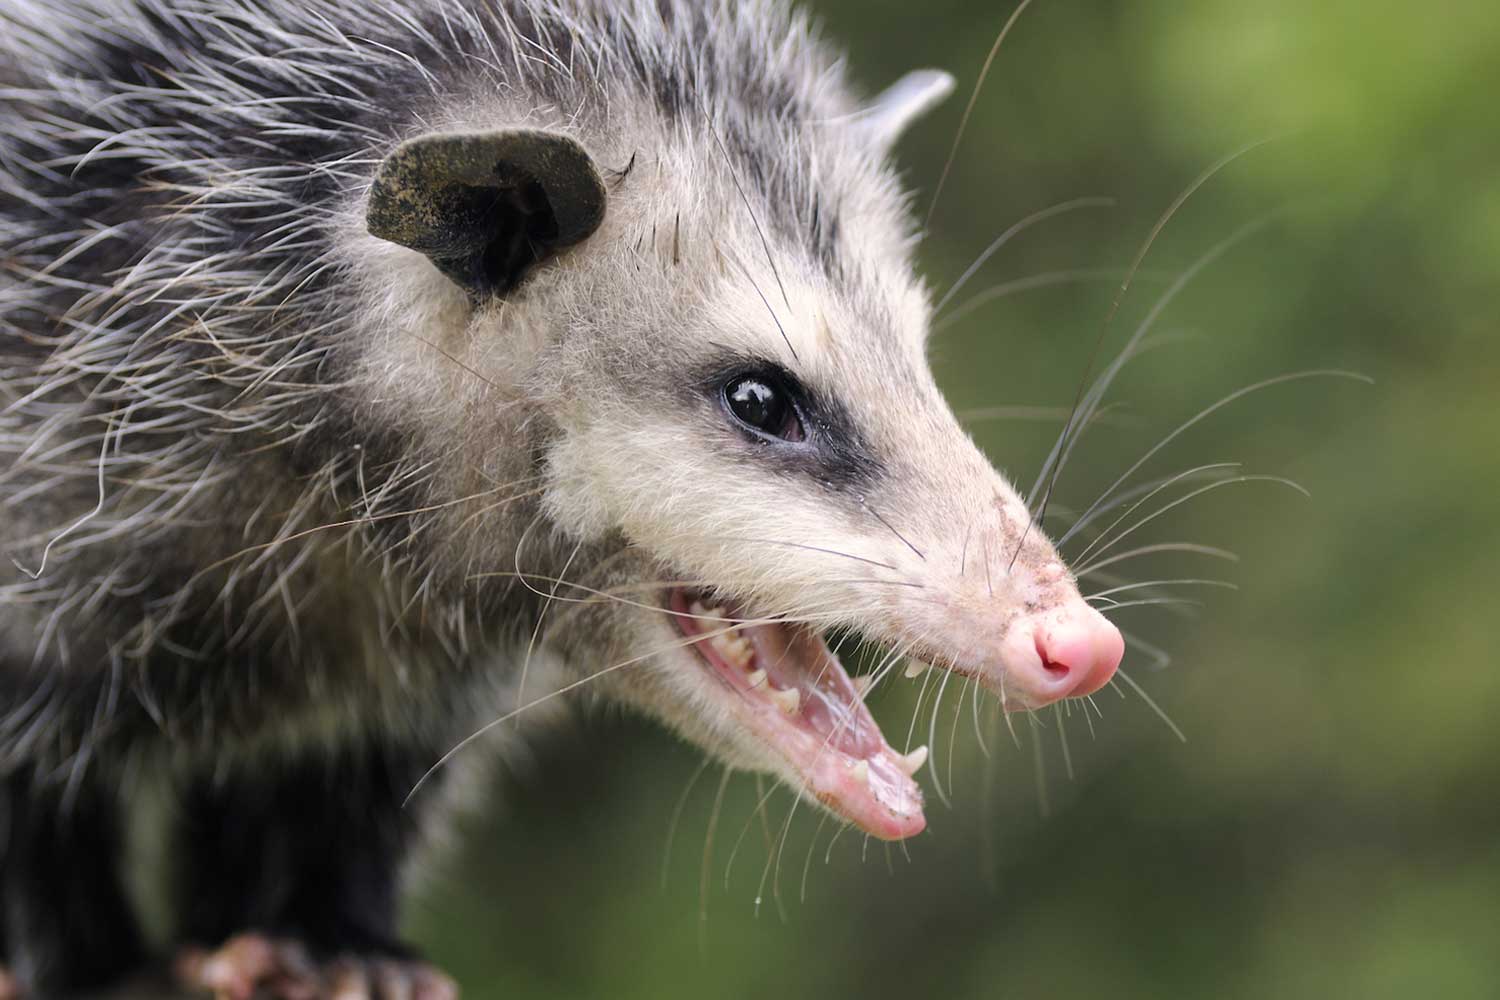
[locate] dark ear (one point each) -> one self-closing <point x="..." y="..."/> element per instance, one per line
<point x="486" y="206"/>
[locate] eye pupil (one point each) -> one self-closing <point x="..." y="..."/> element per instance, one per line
<point x="756" y="403"/>
<point x="763" y="404"/>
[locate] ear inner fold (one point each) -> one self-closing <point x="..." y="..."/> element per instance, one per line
<point x="486" y="207"/>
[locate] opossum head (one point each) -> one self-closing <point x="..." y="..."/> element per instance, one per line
<point x="720" y="370"/>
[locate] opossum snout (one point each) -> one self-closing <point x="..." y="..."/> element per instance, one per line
<point x="1070" y="651"/>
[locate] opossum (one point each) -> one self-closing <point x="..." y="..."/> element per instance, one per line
<point x="370" y="373"/>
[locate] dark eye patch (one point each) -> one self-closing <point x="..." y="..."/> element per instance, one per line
<point x="787" y="425"/>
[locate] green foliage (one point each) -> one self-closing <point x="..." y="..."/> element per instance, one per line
<point x="1330" y="825"/>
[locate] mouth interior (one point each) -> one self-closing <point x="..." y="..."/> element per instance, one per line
<point x="794" y="695"/>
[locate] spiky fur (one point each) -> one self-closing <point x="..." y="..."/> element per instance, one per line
<point x="273" y="488"/>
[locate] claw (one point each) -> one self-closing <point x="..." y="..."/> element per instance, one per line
<point x="254" y="966"/>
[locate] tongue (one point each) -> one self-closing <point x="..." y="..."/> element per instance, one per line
<point x="832" y="740"/>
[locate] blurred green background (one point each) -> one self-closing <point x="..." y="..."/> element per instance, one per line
<point x="1332" y="823"/>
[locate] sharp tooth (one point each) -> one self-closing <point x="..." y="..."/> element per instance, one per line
<point x="756" y="678"/>
<point x="912" y="762"/>
<point x="788" y="701"/>
<point x="861" y="772"/>
<point x="698" y="609"/>
<point x="862" y="683"/>
<point x="734" y="649"/>
<point x="914" y="668"/>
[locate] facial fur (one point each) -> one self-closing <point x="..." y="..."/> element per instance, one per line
<point x="296" y="407"/>
<point x="605" y="369"/>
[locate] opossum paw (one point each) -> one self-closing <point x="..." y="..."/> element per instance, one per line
<point x="257" y="967"/>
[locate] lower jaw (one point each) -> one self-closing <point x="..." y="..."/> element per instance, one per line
<point x="795" y="700"/>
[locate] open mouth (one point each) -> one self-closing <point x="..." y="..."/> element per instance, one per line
<point x="795" y="696"/>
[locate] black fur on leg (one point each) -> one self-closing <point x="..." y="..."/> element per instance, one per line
<point x="310" y="850"/>
<point x="66" y="923"/>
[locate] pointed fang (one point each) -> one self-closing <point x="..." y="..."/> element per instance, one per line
<point x="789" y="701"/>
<point x="912" y="762"/>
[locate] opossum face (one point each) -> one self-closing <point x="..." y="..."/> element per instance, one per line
<point x="756" y="421"/>
<point x="791" y="469"/>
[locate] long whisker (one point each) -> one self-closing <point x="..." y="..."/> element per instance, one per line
<point x="984" y="747"/>
<point x="1092" y="413"/>
<point x="1039" y="766"/>
<point x="708" y="854"/>
<point x="810" y="548"/>
<point x="958" y="711"/>
<point x="1197" y="493"/>
<point x="566" y="688"/>
<point x="1037" y="414"/>
<point x="916" y="712"/>
<point x="1062" y="738"/>
<point x="666" y="854"/>
<point x="937" y="703"/>
<point x="828" y="854"/>
<point x="1155" y="601"/>
<point x="1087" y="718"/>
<point x="1061" y="447"/>
<point x="1202" y="550"/>
<point x="963" y="123"/>
<point x="734" y="175"/>
<point x="762" y="797"/>
<point x="807" y="864"/>
<point x="1220" y="404"/>
<point x="1015" y="230"/>
<point x="457" y="361"/>
<point x="762" y="295"/>
<point x="371" y="519"/>
<point x="612" y="595"/>
<point x="1026" y="283"/>
<point x="1151" y="704"/>
<point x="1085" y="519"/>
<point x="1142" y="491"/>
<point x="1185" y="582"/>
<point x="493" y="505"/>
<point x="876" y="514"/>
<point x="775" y="858"/>
<point x="1162" y="658"/>
<point x="541" y="616"/>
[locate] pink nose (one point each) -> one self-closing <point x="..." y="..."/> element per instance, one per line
<point x="1079" y="652"/>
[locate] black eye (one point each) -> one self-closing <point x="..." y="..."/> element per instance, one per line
<point x="763" y="403"/>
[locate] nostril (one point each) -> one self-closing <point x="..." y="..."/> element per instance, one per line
<point x="1078" y="654"/>
<point x="1055" y="667"/>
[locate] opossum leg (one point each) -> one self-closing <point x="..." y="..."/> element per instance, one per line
<point x="66" y="924"/>
<point x="253" y="965"/>
<point x="289" y="876"/>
